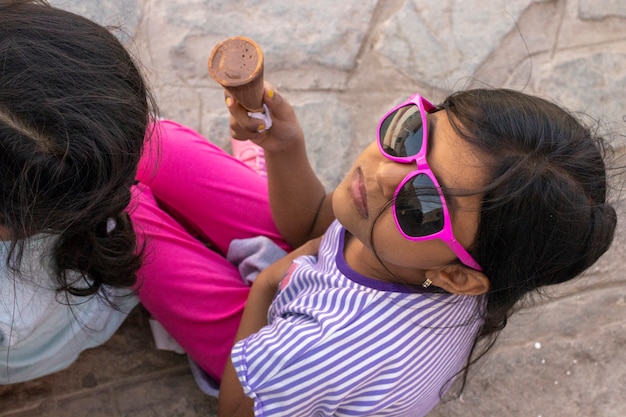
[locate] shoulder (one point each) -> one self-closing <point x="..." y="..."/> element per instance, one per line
<point x="387" y="356"/>
<point x="41" y="327"/>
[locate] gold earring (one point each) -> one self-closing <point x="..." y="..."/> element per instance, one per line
<point x="427" y="282"/>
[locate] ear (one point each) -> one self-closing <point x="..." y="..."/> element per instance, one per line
<point x="459" y="279"/>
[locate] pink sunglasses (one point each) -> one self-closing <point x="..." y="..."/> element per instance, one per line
<point x="419" y="207"/>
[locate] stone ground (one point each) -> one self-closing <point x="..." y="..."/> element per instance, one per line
<point x="342" y="64"/>
<point x="126" y="376"/>
<point x="561" y="358"/>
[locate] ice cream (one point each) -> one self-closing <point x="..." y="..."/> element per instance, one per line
<point x="237" y="65"/>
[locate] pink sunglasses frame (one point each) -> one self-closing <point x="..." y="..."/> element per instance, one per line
<point x="445" y="234"/>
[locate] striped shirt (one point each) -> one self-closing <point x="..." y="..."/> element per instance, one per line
<point x="342" y="344"/>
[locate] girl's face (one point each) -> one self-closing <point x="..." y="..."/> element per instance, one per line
<point x="360" y="203"/>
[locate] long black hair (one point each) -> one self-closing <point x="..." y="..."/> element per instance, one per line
<point x="74" y="110"/>
<point x="545" y="217"/>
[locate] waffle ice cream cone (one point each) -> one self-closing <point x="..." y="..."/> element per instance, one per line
<point x="237" y="65"/>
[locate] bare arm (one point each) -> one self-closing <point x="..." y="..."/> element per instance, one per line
<point x="232" y="401"/>
<point x="300" y="206"/>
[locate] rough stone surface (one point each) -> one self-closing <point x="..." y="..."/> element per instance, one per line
<point x="343" y="64"/>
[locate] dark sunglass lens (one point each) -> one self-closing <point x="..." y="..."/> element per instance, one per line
<point x="401" y="133"/>
<point x="418" y="207"/>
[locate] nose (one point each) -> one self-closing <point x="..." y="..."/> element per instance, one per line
<point x="389" y="175"/>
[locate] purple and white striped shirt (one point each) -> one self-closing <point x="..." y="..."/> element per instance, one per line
<point x="342" y="344"/>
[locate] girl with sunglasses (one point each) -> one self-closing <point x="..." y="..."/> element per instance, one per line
<point x="449" y="218"/>
<point x="452" y="215"/>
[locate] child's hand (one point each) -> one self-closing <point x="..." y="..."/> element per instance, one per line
<point x="285" y="126"/>
<point x="300" y="206"/>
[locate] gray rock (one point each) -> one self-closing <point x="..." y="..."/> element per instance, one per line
<point x="600" y="9"/>
<point x="342" y="64"/>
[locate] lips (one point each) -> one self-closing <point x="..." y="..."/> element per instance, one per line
<point x="357" y="192"/>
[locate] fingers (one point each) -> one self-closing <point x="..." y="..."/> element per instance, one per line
<point x="242" y="125"/>
<point x="284" y="129"/>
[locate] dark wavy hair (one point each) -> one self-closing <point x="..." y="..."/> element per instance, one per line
<point x="545" y="217"/>
<point x="74" y="111"/>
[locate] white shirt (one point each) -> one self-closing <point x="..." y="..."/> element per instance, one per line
<point x="41" y="330"/>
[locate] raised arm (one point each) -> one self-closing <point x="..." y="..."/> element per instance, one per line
<point x="300" y="206"/>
